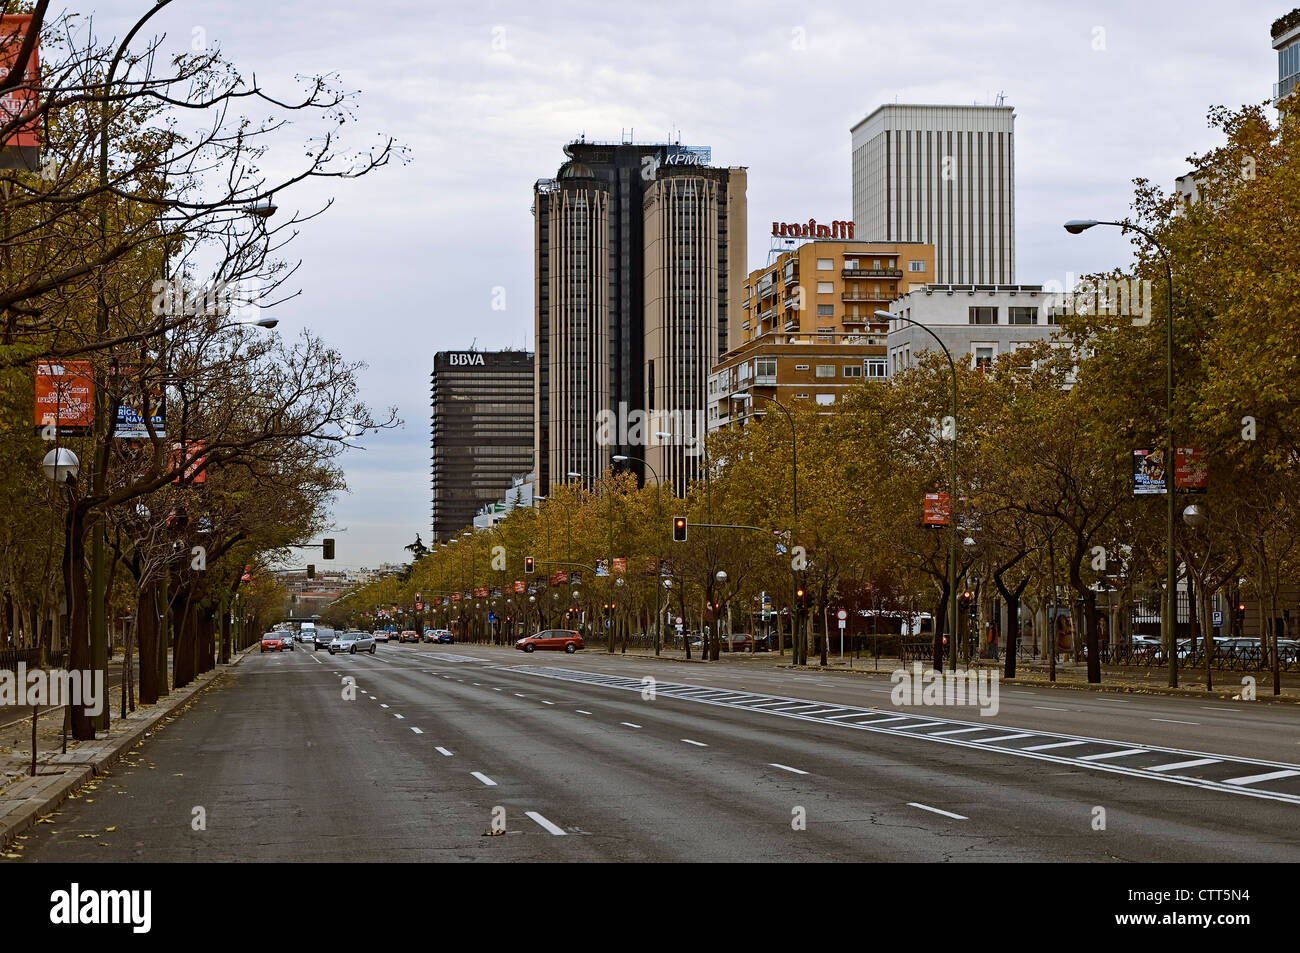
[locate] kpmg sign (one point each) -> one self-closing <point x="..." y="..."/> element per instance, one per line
<point x="465" y="359"/>
<point x="810" y="229"/>
<point x="686" y="155"/>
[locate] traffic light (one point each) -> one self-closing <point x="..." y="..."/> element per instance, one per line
<point x="528" y="564"/>
<point x="311" y="571"/>
<point x="679" y="529"/>
<point x="801" y="598"/>
<point x="327" y="549"/>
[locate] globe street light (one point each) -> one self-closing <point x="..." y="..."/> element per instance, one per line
<point x="1168" y="619"/>
<point x="61" y="466"/>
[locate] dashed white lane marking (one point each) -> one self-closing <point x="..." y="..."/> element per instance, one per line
<point x="1016" y="692"/>
<point x="581" y="712"/>
<point x="1057" y="744"/>
<point x="443" y="751"/>
<point x="476" y="684"/>
<point x="1106" y="755"/>
<point x="629" y="724"/>
<point x="786" y="767"/>
<point x="1178" y="765"/>
<point x="881" y="721"/>
<point x="395" y="715"/>
<point x="924" y="724"/>
<point x="545" y="824"/>
<point x="1254" y="778"/>
<point x="545" y="702"/>
<point x="417" y="730"/>
<point x="496" y="689"/>
<point x="382" y="705"/>
<point x="1023" y="734"/>
<point x="956" y="731"/>
<point x="517" y="695"/>
<point x="1049" y="708"/>
<point x="484" y="778"/>
<point x="1175" y="721"/>
<point x="1208" y="708"/>
<point x="698" y="744"/>
<point x="935" y="810"/>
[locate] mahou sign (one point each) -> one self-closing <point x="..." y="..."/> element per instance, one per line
<point x="810" y="229"/>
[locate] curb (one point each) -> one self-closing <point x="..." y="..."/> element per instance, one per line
<point x="28" y="800"/>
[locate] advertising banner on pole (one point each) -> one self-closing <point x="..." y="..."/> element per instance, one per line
<point x="65" y="397"/>
<point x="1191" y="469"/>
<point x="1149" y="475"/>
<point x="20" y="149"/>
<point x="935" y="509"/>
<point x="134" y="404"/>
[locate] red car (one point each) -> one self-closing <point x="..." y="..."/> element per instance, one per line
<point x="272" y="642"/>
<point x="736" y="642"/>
<point x="566" y="639"/>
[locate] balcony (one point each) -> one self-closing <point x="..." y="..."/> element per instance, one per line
<point x="872" y="273"/>
<point x="764" y="380"/>
<point x="790" y="278"/>
<point x="791" y="322"/>
<point x="863" y="299"/>
<point x="767" y="315"/>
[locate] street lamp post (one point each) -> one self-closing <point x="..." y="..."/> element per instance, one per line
<point x="952" y="502"/>
<point x="1169" y="619"/>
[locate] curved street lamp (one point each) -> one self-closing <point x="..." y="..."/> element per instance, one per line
<point x="952" y="501"/>
<point x="1169" y="619"/>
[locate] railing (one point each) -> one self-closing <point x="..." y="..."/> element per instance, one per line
<point x="872" y="273"/>
<point x="9" y="658"/>
<point x="1222" y="659"/>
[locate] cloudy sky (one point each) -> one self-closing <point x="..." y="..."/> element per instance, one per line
<point x="407" y="260"/>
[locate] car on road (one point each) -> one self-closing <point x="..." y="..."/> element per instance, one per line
<point x="442" y="636"/>
<point x="352" y="643"/>
<point x="410" y="635"/>
<point x="382" y="635"/>
<point x="272" y="642"/>
<point x="736" y="642"/>
<point x="565" y="639"/>
<point x="286" y="639"/>
<point x="321" y="638"/>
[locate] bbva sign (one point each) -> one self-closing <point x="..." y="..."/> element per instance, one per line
<point x="465" y="360"/>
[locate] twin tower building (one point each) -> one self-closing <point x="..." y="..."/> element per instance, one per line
<point x="642" y="287"/>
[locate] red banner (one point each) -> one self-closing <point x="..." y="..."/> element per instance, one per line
<point x="481" y="592"/>
<point x="519" y="585"/>
<point x="559" y="578"/>
<point x="455" y="597"/>
<point x="65" y="396"/>
<point x="935" y="509"/>
<point x="21" y="100"/>
<point x="1191" y="469"/>
<point x="620" y="565"/>
<point x="192" y="459"/>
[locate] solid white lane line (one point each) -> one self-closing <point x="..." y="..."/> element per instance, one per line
<point x="1107" y="755"/>
<point x="1208" y="708"/>
<point x="1057" y="744"/>
<point x="1023" y="734"/>
<point x="698" y="744"/>
<point x="396" y="715"/>
<point x="786" y="767"/>
<point x="484" y="778"/>
<point x="1175" y="721"/>
<point x="1184" y="764"/>
<point x="629" y="724"/>
<point x="1016" y="692"/>
<point x="443" y="751"/>
<point x="935" y="810"/>
<point x="581" y="712"/>
<point x="545" y="824"/>
<point x="956" y="731"/>
<point x="1049" y="708"/>
<point x="417" y="730"/>
<point x="1256" y="778"/>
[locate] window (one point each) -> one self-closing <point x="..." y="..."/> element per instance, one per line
<point x="916" y="266"/>
<point x="851" y="264"/>
<point x="801" y="367"/>
<point x="876" y="370"/>
<point x="875" y="263"/>
<point x="852" y="370"/>
<point x="765" y="367"/>
<point x="825" y="287"/>
<point x="982" y="356"/>
<point x="825" y="310"/>
<point x="825" y="400"/>
<point x="825" y="264"/>
<point x="825" y="370"/>
<point x="803" y="396"/>
<point x="980" y="315"/>
<point x="1022" y="315"/>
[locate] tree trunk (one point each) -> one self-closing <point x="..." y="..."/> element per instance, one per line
<point x="74" y="584"/>
<point x="146" y="613"/>
<point x="940" y="623"/>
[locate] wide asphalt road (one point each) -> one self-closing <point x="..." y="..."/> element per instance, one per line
<point x="593" y="757"/>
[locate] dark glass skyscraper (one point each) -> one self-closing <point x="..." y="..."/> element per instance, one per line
<point x="482" y="432"/>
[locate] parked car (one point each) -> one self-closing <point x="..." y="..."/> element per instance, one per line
<point x="736" y="642"/>
<point x="566" y="639"/>
<point x="440" y="636"/>
<point x="321" y="638"/>
<point x="352" y="643"/>
<point x="272" y="642"/>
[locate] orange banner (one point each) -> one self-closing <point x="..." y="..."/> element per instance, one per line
<point x="21" y="100"/>
<point x="65" y="396"/>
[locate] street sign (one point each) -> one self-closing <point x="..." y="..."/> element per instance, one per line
<point x="679" y="620"/>
<point x="841" y="615"/>
<point x="1217" y="617"/>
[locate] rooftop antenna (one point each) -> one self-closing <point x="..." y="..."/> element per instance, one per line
<point x="1002" y="99"/>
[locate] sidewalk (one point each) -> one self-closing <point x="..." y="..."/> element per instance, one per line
<point x="24" y="800"/>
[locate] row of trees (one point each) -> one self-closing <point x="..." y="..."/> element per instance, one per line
<point x="1044" y="442"/>
<point x="143" y="245"/>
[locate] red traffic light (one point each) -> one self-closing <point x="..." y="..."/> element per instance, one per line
<point x="679" y="529"/>
<point x="528" y="564"/>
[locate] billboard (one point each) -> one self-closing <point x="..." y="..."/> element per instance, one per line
<point x="1191" y="469"/>
<point x="1148" y="472"/>
<point x="195" y="463"/>
<point x="20" y="149"/>
<point x="134" y="405"/>
<point x="65" y="396"/>
<point x="935" y="509"/>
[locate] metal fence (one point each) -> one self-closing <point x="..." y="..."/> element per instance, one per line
<point x="9" y="659"/>
<point x="1223" y="659"/>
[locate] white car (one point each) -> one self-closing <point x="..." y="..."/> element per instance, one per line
<point x="382" y="635"/>
<point x="352" y="643"/>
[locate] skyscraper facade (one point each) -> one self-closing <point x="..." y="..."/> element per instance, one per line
<point x="943" y="175"/>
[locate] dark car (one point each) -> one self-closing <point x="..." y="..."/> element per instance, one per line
<point x="566" y="639"/>
<point x="322" y="638"/>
